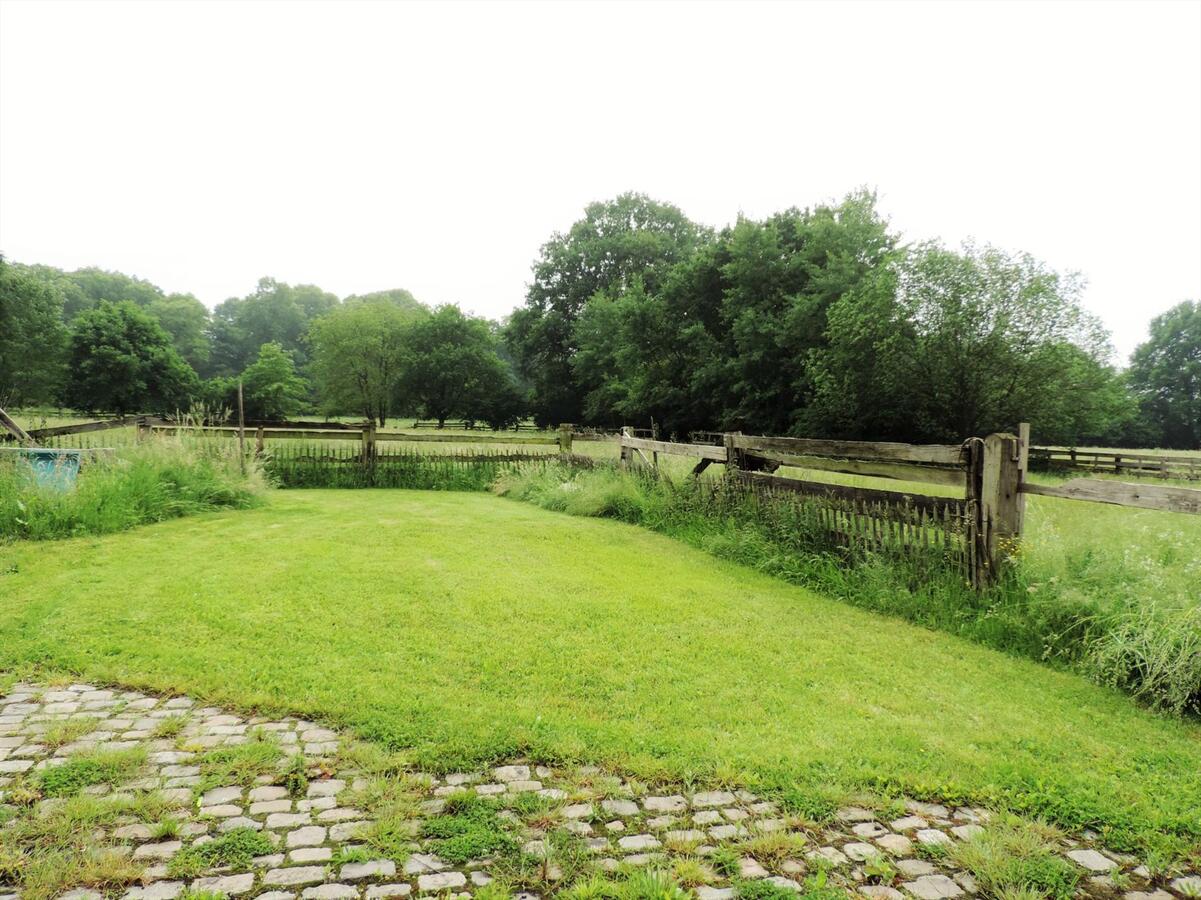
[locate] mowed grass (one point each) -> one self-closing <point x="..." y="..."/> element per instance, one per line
<point x="470" y="628"/>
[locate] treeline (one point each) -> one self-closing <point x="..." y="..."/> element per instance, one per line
<point x="818" y="322"/>
<point x="99" y="341"/>
<point x="814" y="322"/>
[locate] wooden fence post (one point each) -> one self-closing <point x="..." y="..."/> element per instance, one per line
<point x="731" y="451"/>
<point x="1001" y="476"/>
<point x="1023" y="468"/>
<point x="565" y="441"/>
<point x="142" y="431"/>
<point x="368" y="443"/>
<point x="626" y="431"/>
<point x="258" y="442"/>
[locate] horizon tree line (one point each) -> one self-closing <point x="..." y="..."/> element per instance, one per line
<point x="811" y="322"/>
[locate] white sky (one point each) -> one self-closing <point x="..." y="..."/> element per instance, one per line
<point x="435" y="147"/>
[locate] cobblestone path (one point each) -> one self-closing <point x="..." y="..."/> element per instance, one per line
<point x="121" y="794"/>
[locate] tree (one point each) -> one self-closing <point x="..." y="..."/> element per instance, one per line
<point x="358" y="351"/>
<point x="942" y="345"/>
<point x="451" y="367"/>
<point x="186" y="319"/>
<point x="271" y="389"/>
<point x="1165" y="372"/>
<point x="274" y="311"/>
<point x="32" y="338"/>
<point x="97" y="285"/>
<point x="617" y="240"/>
<point x="122" y="361"/>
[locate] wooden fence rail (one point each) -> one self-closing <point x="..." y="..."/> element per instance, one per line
<point x="1117" y="462"/>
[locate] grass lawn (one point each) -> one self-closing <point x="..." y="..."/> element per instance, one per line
<point x="472" y="628"/>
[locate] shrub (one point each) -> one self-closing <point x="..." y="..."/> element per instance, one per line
<point x="158" y="480"/>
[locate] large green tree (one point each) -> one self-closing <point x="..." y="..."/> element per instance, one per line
<point x="32" y="338"/>
<point x="122" y="361"/>
<point x="942" y="345"/>
<point x="271" y="388"/>
<point x="358" y="352"/>
<point x="617" y="241"/>
<point x="451" y="367"/>
<point x="274" y="311"/>
<point x="186" y="319"/>
<point x="1165" y="371"/>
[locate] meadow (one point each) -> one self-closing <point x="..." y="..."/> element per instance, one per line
<point x="468" y="628"/>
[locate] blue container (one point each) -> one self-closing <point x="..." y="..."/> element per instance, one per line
<point x="53" y="468"/>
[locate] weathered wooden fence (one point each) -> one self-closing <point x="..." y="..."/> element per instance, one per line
<point x="1116" y="462"/>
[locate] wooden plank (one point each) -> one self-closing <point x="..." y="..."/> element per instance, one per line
<point x="843" y="492"/>
<point x="268" y="433"/>
<point x="704" y="451"/>
<point x="465" y="438"/>
<point x="13" y="428"/>
<point x="84" y="428"/>
<point x="1122" y="493"/>
<point x="955" y="477"/>
<point x="944" y="454"/>
<point x="592" y="436"/>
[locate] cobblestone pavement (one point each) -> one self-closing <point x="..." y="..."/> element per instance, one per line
<point x="173" y="799"/>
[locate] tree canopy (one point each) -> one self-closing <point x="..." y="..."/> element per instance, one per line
<point x="1165" y="372"/>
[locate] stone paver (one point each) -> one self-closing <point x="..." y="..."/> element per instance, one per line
<point x="316" y="829"/>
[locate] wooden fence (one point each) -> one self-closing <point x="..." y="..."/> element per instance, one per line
<point x="976" y="528"/>
<point x="1117" y="462"/>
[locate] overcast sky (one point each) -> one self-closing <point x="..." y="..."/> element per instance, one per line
<point x="362" y="147"/>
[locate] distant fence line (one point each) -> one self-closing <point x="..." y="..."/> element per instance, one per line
<point x="1117" y="462"/>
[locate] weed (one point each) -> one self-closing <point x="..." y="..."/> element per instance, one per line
<point x="467" y="829"/>
<point x="1013" y="855"/>
<point x="764" y="890"/>
<point x="652" y="884"/>
<point x="295" y="775"/>
<point x="389" y="837"/>
<point x="773" y="847"/>
<point x="726" y="862"/>
<point x="879" y="870"/>
<point x="235" y="848"/>
<point x="88" y="768"/>
<point x="240" y="763"/>
<point x="62" y="733"/>
<point x="691" y="872"/>
<point x="169" y="727"/>
<point x="166" y="828"/>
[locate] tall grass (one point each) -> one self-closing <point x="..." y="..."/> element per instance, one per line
<point x="153" y="481"/>
<point x="1153" y="651"/>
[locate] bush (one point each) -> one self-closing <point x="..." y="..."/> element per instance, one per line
<point x="162" y="479"/>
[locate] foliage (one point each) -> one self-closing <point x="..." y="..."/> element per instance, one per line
<point x="239" y="763"/>
<point x="962" y="343"/>
<point x="616" y="241"/>
<point x="122" y="361"/>
<point x="320" y="467"/>
<point x="271" y="389"/>
<point x="358" y="352"/>
<point x="272" y="312"/>
<point x="434" y="637"/>
<point x="134" y="486"/>
<point x="32" y="338"/>
<point x="450" y="365"/>
<point x="186" y="319"/>
<point x="1165" y="372"/>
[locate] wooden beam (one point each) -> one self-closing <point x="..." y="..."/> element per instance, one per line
<point x="942" y="454"/>
<point x="13" y="428"/>
<point x="843" y="492"/>
<point x="1122" y="493"/>
<point x="954" y="477"/>
<point x="83" y="428"/>
<point x="704" y="451"/>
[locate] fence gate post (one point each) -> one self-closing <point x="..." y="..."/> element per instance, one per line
<point x="565" y="441"/>
<point x="1000" y="500"/>
<point x="731" y="452"/>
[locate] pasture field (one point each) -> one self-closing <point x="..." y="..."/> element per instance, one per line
<point x="472" y="628"/>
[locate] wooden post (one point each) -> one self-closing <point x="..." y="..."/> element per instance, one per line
<point x="142" y="432"/>
<point x="241" y="430"/>
<point x="258" y="442"/>
<point x="565" y="441"/>
<point x="731" y="451"/>
<point x="626" y="431"/>
<point x="1023" y="468"/>
<point x="368" y="442"/>
<point x="999" y="500"/>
